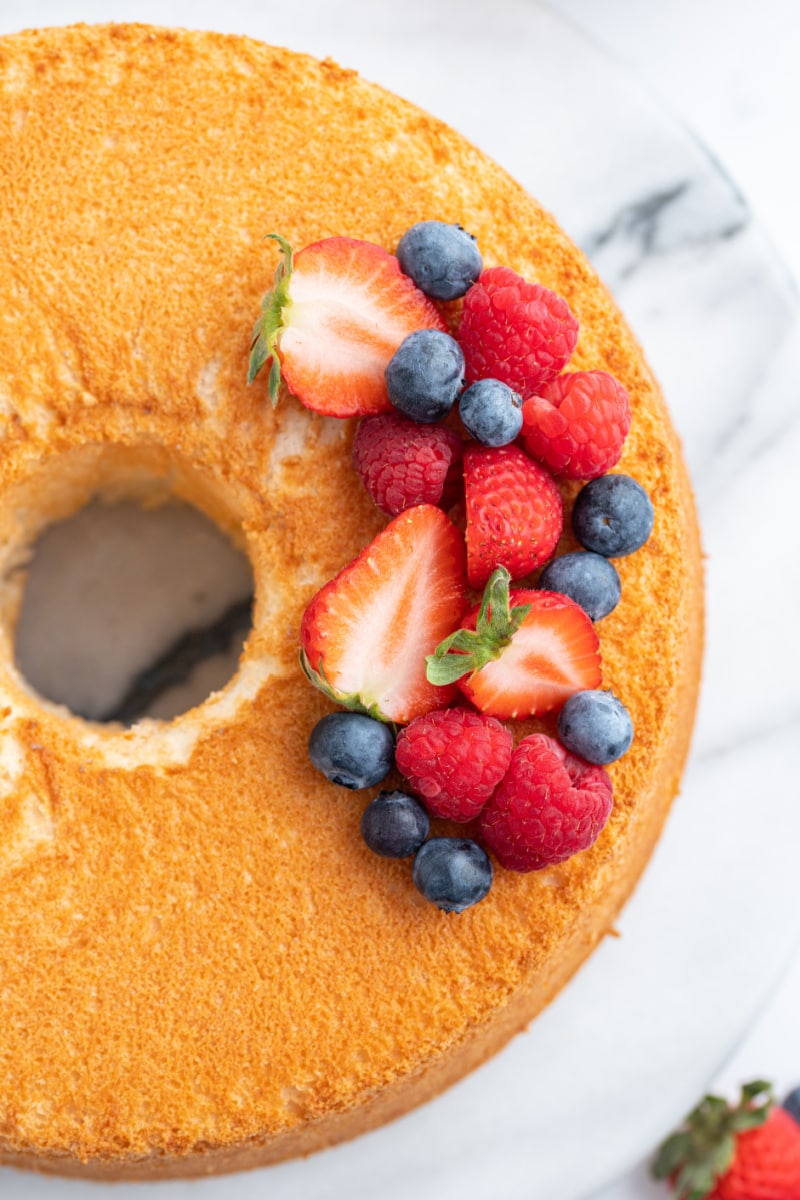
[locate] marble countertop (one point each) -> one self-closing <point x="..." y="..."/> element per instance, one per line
<point x="713" y="303"/>
<point x="735" y="84"/>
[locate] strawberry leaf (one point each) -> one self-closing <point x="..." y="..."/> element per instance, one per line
<point x="264" y="346"/>
<point x="351" y="702"/>
<point x="701" y="1153"/>
<point x="468" y="650"/>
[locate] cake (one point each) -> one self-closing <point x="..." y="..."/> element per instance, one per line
<point x="203" y="967"/>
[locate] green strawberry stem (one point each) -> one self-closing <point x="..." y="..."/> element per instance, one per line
<point x="264" y="345"/>
<point x="352" y="702"/>
<point x="702" y="1151"/>
<point x="467" y="650"/>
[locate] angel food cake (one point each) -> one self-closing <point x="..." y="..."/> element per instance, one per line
<point x="204" y="967"/>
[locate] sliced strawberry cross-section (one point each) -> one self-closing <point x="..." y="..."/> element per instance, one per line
<point x="366" y="634"/>
<point x="336" y="314"/>
<point x="521" y="653"/>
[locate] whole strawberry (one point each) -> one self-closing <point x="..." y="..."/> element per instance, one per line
<point x="518" y="332"/>
<point x="577" y="424"/>
<point x="454" y="759"/>
<point x="549" y="806"/>
<point x="514" y="512"/>
<point x="747" y="1152"/>
<point x="402" y="463"/>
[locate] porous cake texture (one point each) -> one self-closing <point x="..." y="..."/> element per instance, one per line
<point x="202" y="966"/>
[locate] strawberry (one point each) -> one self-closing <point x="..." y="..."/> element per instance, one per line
<point x="747" y="1152"/>
<point x="514" y="512"/>
<point x="523" y="660"/>
<point x="337" y="312"/>
<point x="365" y="634"/>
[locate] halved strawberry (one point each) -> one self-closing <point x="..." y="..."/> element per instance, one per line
<point x="366" y="634"/>
<point x="519" y="661"/>
<point x="335" y="316"/>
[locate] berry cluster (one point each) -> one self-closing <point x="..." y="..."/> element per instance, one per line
<point x="394" y="637"/>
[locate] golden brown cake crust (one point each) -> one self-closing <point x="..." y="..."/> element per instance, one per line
<point x="201" y="965"/>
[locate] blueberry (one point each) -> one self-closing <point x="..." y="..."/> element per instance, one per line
<point x="491" y="412"/>
<point x="588" y="579"/>
<point x="595" y="726"/>
<point x="443" y="260"/>
<point x="792" y="1104"/>
<point x="452" y="872"/>
<point x="425" y="375"/>
<point x="613" y="516"/>
<point x="352" y="749"/>
<point x="395" y="825"/>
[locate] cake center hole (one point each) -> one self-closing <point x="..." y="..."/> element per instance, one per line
<point x="130" y="611"/>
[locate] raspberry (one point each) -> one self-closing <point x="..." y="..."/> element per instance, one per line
<point x="454" y="759"/>
<point x="514" y="512"/>
<point x="577" y="424"/>
<point x="402" y="463"/>
<point x="549" y="806"/>
<point x="518" y="332"/>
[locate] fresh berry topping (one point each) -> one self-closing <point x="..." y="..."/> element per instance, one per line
<point x="577" y="424"/>
<point x="365" y="634"/>
<point x="514" y="512"/>
<point x="491" y="412"/>
<point x="453" y="873"/>
<point x="521" y="653"/>
<point x="394" y="825"/>
<point x="335" y="316"/>
<point x="425" y="376"/>
<point x="352" y="749"/>
<point x="515" y="331"/>
<point x="750" y="1152"/>
<point x="550" y="806"/>
<point x="443" y="260"/>
<point x="454" y="759"/>
<point x="792" y="1104"/>
<point x="613" y="516"/>
<point x="402" y="463"/>
<point x="588" y="579"/>
<point x="595" y="726"/>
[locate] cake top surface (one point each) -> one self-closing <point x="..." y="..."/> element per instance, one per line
<point x="208" y="947"/>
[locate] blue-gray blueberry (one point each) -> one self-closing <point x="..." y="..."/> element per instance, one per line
<point x="453" y="873"/>
<point x="352" y="749"/>
<point x="587" y="578"/>
<point x="443" y="260"/>
<point x="613" y="516"/>
<point x="425" y="375"/>
<point x="491" y="412"/>
<point x="595" y="726"/>
<point x="395" y="825"/>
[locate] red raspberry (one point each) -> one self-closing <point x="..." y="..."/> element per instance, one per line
<point x="577" y="424"/>
<point x="549" y="806"/>
<point x="454" y="759"/>
<point x="515" y="331"/>
<point x="402" y="463"/>
<point x="514" y="512"/>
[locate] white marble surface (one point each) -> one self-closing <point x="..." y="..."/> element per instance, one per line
<point x="633" y="1041"/>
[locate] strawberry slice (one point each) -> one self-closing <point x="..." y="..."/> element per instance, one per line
<point x="337" y="312"/>
<point x="520" y="654"/>
<point x="366" y="634"/>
